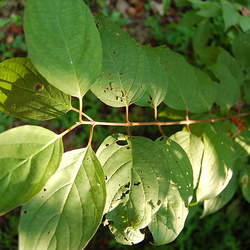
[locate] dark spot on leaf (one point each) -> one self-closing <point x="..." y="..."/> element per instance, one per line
<point x="107" y="145"/>
<point x="128" y="147"/>
<point x="38" y="87"/>
<point x="121" y="73"/>
<point x="25" y="211"/>
<point x="44" y="189"/>
<point x="106" y="177"/>
<point x="122" y="142"/>
<point x="104" y="91"/>
<point x="151" y="203"/>
<point x="137" y="183"/>
<point x="158" y="202"/>
<point x="127" y="185"/>
<point x="116" y="97"/>
<point x="150" y="98"/>
<point x="149" y="186"/>
<point x="122" y="93"/>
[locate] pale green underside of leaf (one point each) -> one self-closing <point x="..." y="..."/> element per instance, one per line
<point x="194" y="147"/>
<point x="137" y="184"/>
<point x="243" y="139"/>
<point x="217" y="163"/>
<point x="63" y="43"/>
<point x="170" y="219"/>
<point x="29" y="155"/>
<point x="25" y="93"/>
<point x="123" y="77"/>
<point x="180" y="168"/>
<point x="213" y="205"/>
<point x="67" y="213"/>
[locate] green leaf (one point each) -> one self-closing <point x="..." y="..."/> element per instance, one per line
<point x="245" y="181"/>
<point x="241" y="49"/>
<point x="213" y="205"/>
<point x="191" y="84"/>
<point x="156" y="77"/>
<point x="63" y="43"/>
<point x="206" y="9"/>
<point x="230" y="14"/>
<point x="243" y="139"/>
<point x="25" y="93"/>
<point x="246" y="88"/>
<point x="137" y="183"/>
<point x="217" y="163"/>
<point x="29" y="155"/>
<point x="244" y="22"/>
<point x="123" y="77"/>
<point x="193" y="147"/>
<point x="68" y="211"/>
<point x="170" y="219"/>
<point x="180" y="168"/>
<point x="228" y="72"/>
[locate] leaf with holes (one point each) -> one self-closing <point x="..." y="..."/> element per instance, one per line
<point x="137" y="183"/>
<point x="156" y="78"/>
<point x="169" y="220"/>
<point x="29" y="155"/>
<point x="68" y="211"/>
<point x="63" y="43"/>
<point x="217" y="162"/>
<point x="213" y="205"/>
<point x="123" y="78"/>
<point x="39" y="100"/>
<point x="193" y="146"/>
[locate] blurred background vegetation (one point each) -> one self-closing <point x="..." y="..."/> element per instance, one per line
<point x="158" y="22"/>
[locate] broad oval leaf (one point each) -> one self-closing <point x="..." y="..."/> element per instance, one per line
<point x="25" y="93"/>
<point x="29" y="155"/>
<point x="68" y="211"/>
<point x="170" y="219"/>
<point x="180" y="168"/>
<point x="217" y="163"/>
<point x="137" y="183"/>
<point x="123" y="76"/>
<point x="193" y="146"/>
<point x="156" y="79"/>
<point x="188" y="85"/>
<point x="213" y="205"/>
<point x="63" y="43"/>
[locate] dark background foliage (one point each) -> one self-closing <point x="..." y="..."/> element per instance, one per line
<point x="158" y="22"/>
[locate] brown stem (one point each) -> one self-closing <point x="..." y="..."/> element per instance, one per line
<point x="127" y="120"/>
<point x="83" y="114"/>
<point x="91" y="135"/>
<point x="156" y="119"/>
<point x="70" y="129"/>
<point x="184" y="122"/>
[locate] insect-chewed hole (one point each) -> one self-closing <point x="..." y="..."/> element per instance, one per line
<point x="38" y="87"/>
<point x="122" y="142"/>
